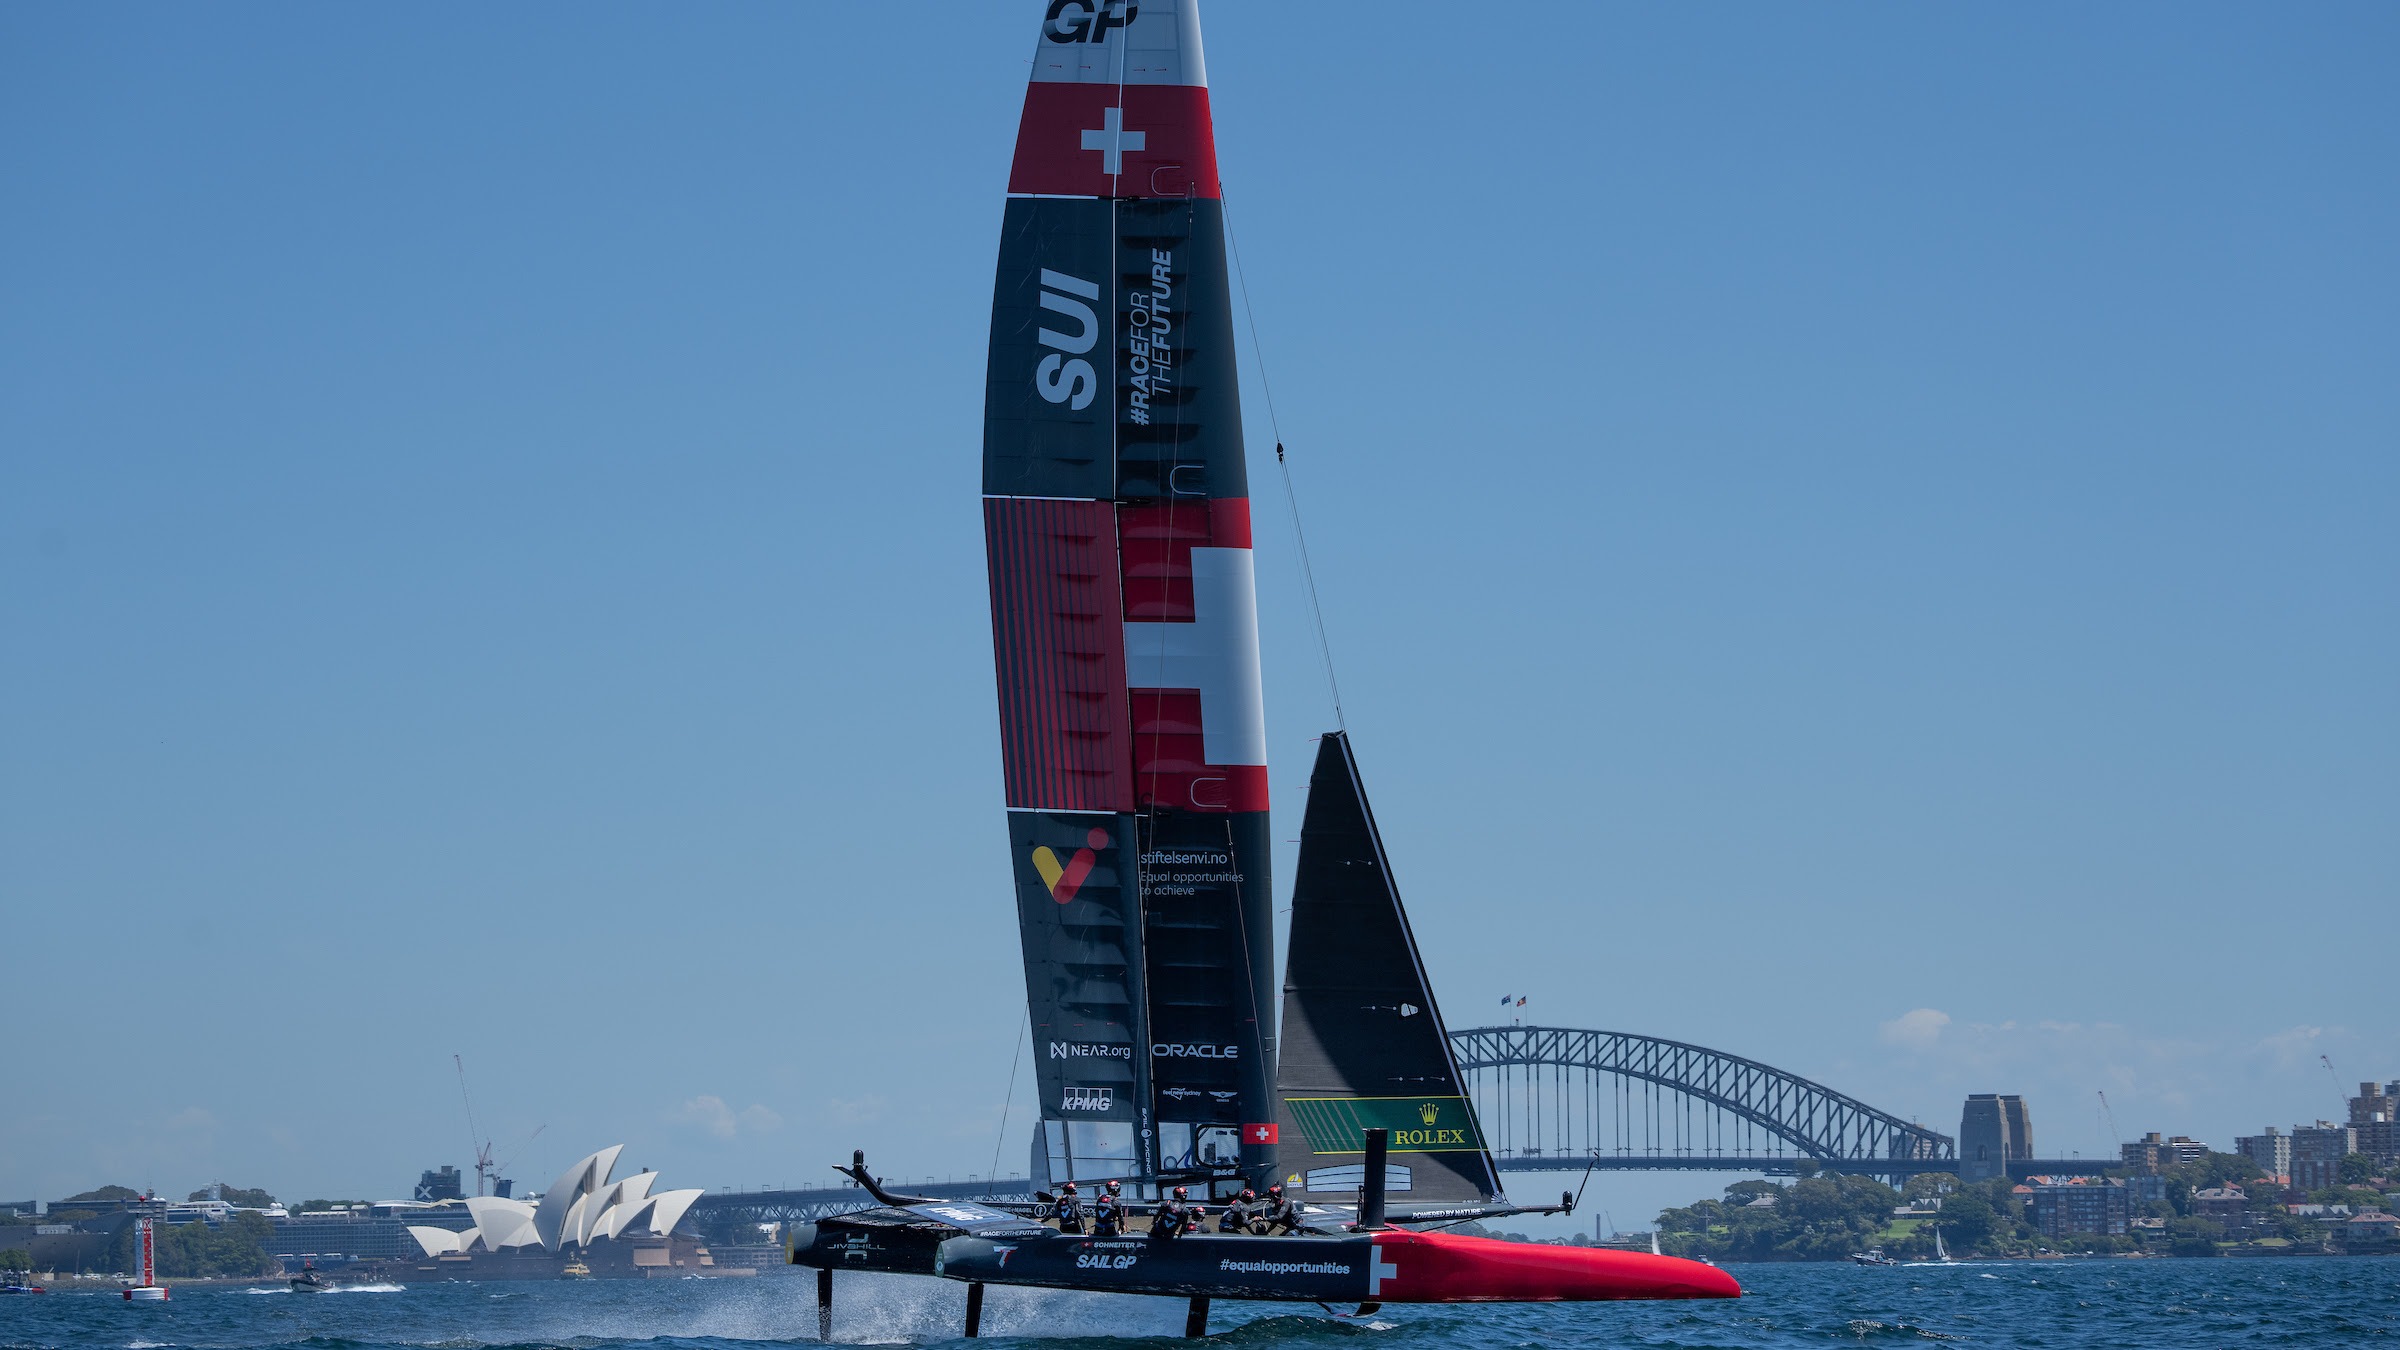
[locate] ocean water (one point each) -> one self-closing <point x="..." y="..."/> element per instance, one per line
<point x="2055" y="1305"/>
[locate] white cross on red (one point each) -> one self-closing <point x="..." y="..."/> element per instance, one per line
<point x="1112" y="140"/>
<point x="1379" y="1270"/>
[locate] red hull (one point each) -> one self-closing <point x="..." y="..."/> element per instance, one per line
<point x="1450" y="1268"/>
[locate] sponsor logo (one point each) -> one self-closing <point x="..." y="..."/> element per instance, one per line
<point x="1179" y="1093"/>
<point x="1408" y="1010"/>
<point x="1089" y="1050"/>
<point x="1420" y="1124"/>
<point x="1100" y="1262"/>
<point x="1087" y="20"/>
<point x="1224" y="1096"/>
<point x="1269" y="1133"/>
<point x="1196" y="1051"/>
<point x="1150" y="349"/>
<point x="1064" y="879"/>
<point x="1064" y="376"/>
<point x="1284" y="1267"/>
<point x="1003" y="1252"/>
<point x="1088" y="1099"/>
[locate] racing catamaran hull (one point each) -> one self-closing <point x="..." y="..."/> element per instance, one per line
<point x="1387" y="1267"/>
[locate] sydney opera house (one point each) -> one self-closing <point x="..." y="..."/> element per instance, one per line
<point x="584" y="1224"/>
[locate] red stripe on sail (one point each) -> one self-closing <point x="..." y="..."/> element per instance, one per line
<point x="1058" y="647"/>
<point x="1170" y="762"/>
<point x="1158" y="137"/>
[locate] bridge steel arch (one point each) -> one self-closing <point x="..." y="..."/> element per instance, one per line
<point x="1540" y="1095"/>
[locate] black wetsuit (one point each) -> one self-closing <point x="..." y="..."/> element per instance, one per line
<point x="1283" y="1214"/>
<point x="1171" y="1219"/>
<point x="1235" y="1219"/>
<point x="1108" y="1216"/>
<point x="1068" y="1210"/>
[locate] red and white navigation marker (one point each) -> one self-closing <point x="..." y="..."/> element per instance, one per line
<point x="149" y="1290"/>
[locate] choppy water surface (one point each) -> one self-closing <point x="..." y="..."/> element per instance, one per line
<point x="2114" y="1304"/>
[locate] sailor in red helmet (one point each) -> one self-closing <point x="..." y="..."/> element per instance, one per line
<point x="1236" y="1218"/>
<point x="1281" y="1214"/>
<point x="1173" y="1217"/>
<point x="1108" y="1212"/>
<point x="1068" y="1209"/>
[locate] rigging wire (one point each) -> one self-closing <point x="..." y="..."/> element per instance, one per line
<point x="1291" y="498"/>
<point x="1023" y="1028"/>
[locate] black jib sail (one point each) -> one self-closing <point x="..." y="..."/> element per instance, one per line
<point x="1117" y="519"/>
<point x="1363" y="1043"/>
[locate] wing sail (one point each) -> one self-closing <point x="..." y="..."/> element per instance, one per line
<point x="1117" y="528"/>
<point x="1363" y="1042"/>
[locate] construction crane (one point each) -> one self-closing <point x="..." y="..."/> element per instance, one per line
<point x="498" y="1168"/>
<point x="2111" y="1118"/>
<point x="484" y="1170"/>
<point x="2338" y="1094"/>
<point x="487" y="1172"/>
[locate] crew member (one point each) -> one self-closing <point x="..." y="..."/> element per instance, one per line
<point x="1068" y="1210"/>
<point x="1236" y="1218"/>
<point x="1173" y="1216"/>
<point x="1281" y="1212"/>
<point x="1108" y="1212"/>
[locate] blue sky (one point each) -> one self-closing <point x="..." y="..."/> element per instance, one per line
<point x="1860" y="537"/>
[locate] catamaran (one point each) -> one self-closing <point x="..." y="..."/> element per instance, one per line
<point x="1134" y="762"/>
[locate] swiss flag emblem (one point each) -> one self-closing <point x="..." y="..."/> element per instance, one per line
<point x="1260" y="1134"/>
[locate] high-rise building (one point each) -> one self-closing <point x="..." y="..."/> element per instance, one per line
<point x="1994" y="1129"/>
<point x="2272" y="1151"/>
<point x="439" y="1185"/>
<point x="2375" y="1117"/>
<point x="2152" y="1154"/>
<point x="2317" y="1154"/>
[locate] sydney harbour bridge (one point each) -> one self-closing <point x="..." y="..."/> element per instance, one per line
<point x="1560" y="1100"/>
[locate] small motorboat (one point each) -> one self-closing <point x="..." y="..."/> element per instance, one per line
<point x="13" y="1287"/>
<point x="1873" y="1256"/>
<point x="309" y="1281"/>
<point x="576" y="1270"/>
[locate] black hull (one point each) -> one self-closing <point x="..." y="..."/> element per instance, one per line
<point x="1288" y="1269"/>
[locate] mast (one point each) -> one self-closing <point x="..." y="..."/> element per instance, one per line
<point x="1124" y="613"/>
